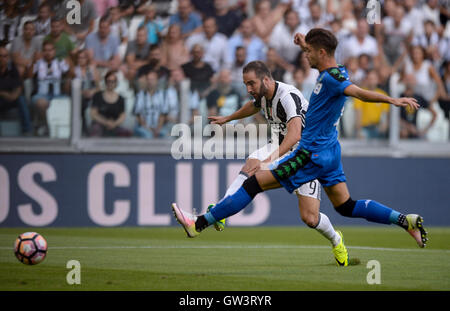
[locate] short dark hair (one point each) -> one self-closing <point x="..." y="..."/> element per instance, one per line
<point x="322" y="38"/>
<point x="56" y="19"/>
<point x="110" y="73"/>
<point x="28" y="22"/>
<point x="48" y="42"/>
<point x="259" y="68"/>
<point x="104" y="19"/>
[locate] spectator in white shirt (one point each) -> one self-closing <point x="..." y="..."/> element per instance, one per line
<point x="317" y="18"/>
<point x="43" y="21"/>
<point x="361" y="42"/>
<point x="301" y="6"/>
<point x="431" y="12"/>
<point x="152" y="107"/>
<point x="119" y="27"/>
<point x="396" y="30"/>
<point x="49" y="75"/>
<point x="284" y="31"/>
<point x="414" y="16"/>
<point x="215" y="45"/>
<point x="429" y="40"/>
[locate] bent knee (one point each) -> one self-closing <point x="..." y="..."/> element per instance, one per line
<point x="249" y="167"/>
<point x="310" y="219"/>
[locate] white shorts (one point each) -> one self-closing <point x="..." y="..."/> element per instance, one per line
<point x="311" y="189"/>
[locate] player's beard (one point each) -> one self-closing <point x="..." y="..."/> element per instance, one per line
<point x="262" y="90"/>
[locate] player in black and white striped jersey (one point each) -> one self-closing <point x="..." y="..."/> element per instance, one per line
<point x="284" y="108"/>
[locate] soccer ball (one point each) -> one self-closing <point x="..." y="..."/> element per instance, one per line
<point x="30" y="248"/>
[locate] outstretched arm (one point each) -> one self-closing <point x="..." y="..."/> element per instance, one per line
<point x="294" y="133"/>
<point x="245" y="111"/>
<point x="369" y="96"/>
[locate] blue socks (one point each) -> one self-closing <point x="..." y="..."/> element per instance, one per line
<point x="229" y="206"/>
<point x="376" y="212"/>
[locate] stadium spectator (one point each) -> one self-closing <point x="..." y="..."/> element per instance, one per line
<point x="154" y="64"/>
<point x="265" y="19"/>
<point x="228" y="20"/>
<point x="25" y="49"/>
<point x="272" y="63"/>
<point x="119" y="27"/>
<point x="310" y="74"/>
<point x="355" y="73"/>
<point x="57" y="8"/>
<point x="80" y="31"/>
<point x="429" y="39"/>
<point x="64" y="46"/>
<point x="255" y="47"/>
<point x="189" y="21"/>
<point x="365" y="62"/>
<point x="396" y="33"/>
<point x="130" y="8"/>
<point x="103" y="47"/>
<point x="408" y="117"/>
<point x="281" y="37"/>
<point x="102" y="6"/>
<point x="388" y="8"/>
<point x="10" y="15"/>
<point x="301" y="7"/>
<point x="173" y="101"/>
<point x="190" y="99"/>
<point x="236" y="72"/>
<point x="342" y="33"/>
<point x="299" y="79"/>
<point x="431" y="12"/>
<point x="361" y="42"/>
<point x="204" y="7"/>
<point x="215" y="45"/>
<point x="371" y="118"/>
<point x="414" y="16"/>
<point x="174" y="52"/>
<point x="428" y="82"/>
<point x="90" y="83"/>
<point x="49" y="72"/>
<point x="154" y="28"/>
<point x="151" y="109"/>
<point x="223" y="99"/>
<point x="348" y="20"/>
<point x="317" y="18"/>
<point x="108" y="110"/>
<point x="198" y="71"/>
<point x="136" y="54"/>
<point x="11" y="96"/>
<point x="43" y="20"/>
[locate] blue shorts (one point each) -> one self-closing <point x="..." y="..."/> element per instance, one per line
<point x="302" y="166"/>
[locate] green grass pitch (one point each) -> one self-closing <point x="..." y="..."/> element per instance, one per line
<point x="256" y="258"/>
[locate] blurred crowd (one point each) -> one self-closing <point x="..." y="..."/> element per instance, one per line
<point x="134" y="59"/>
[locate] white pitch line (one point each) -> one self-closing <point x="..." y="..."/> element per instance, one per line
<point x="244" y="247"/>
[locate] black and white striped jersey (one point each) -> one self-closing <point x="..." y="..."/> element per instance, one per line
<point x="287" y="103"/>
